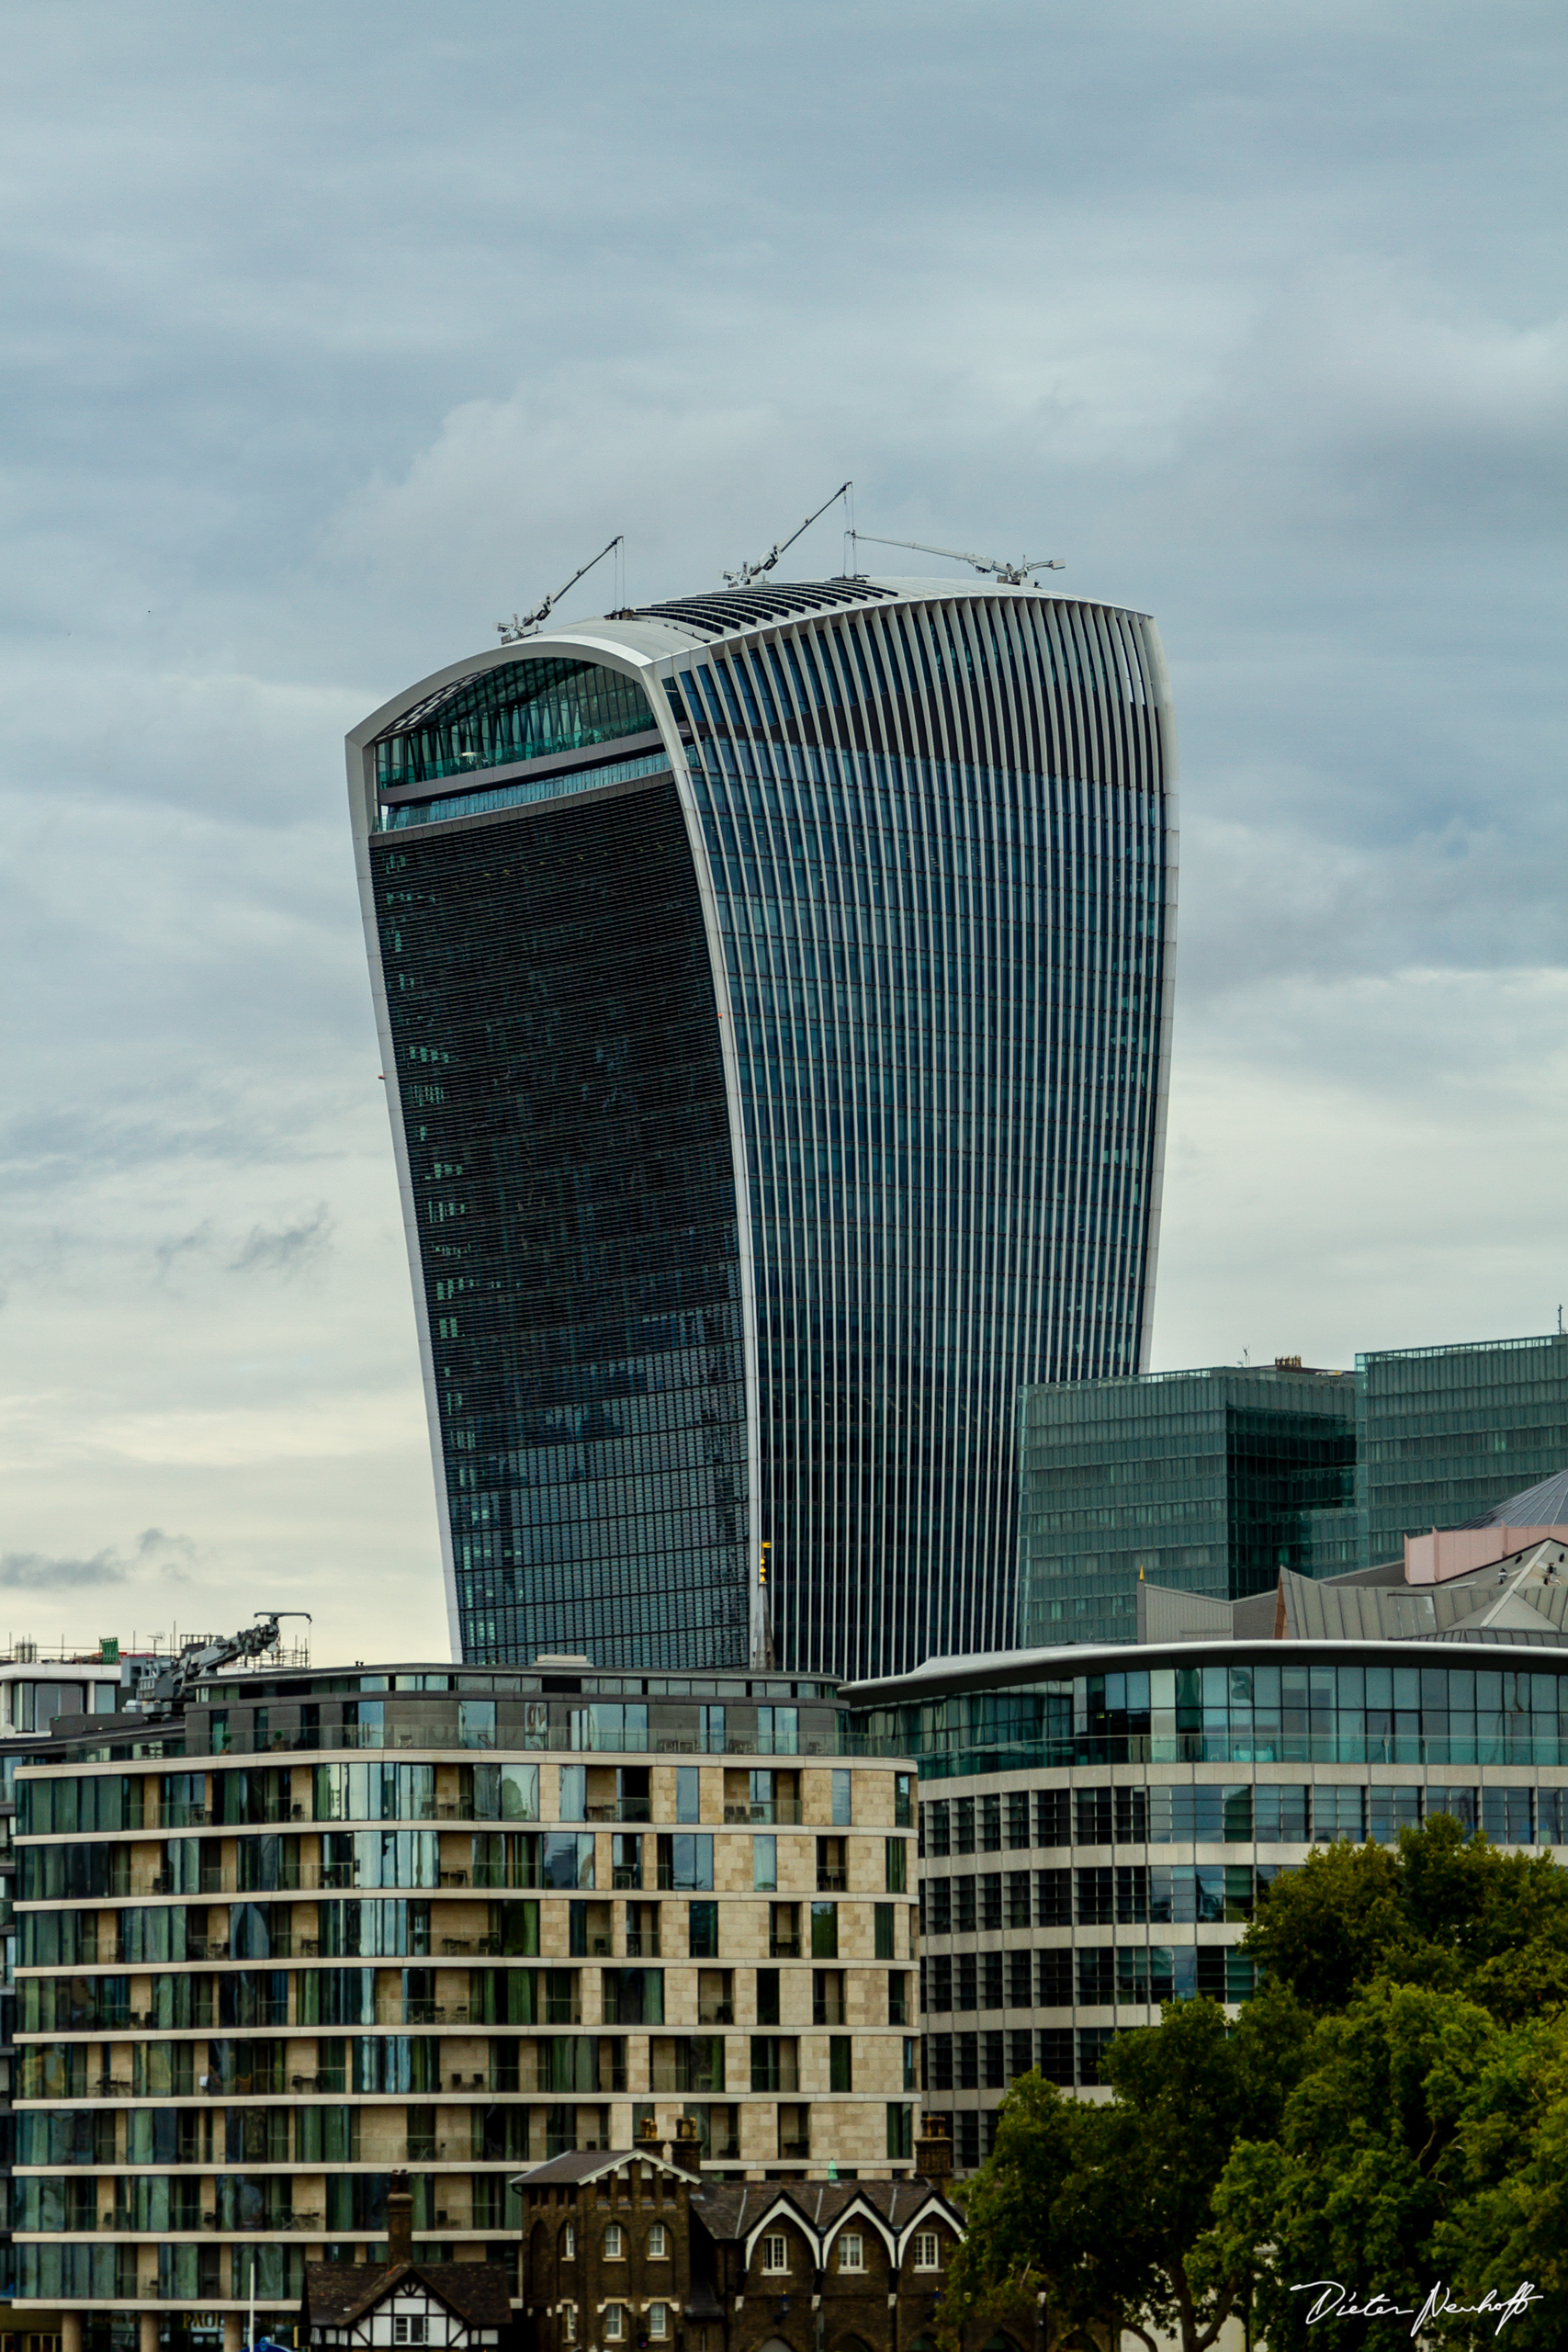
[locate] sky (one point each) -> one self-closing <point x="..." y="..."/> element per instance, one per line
<point x="336" y="333"/>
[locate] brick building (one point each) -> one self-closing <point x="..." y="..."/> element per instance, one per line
<point x="628" y="2251"/>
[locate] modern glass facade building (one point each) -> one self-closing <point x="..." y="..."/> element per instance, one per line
<point x="1444" y="1434"/>
<point x="1209" y="1482"/>
<point x="1096" y="1830"/>
<point x="774" y="995"/>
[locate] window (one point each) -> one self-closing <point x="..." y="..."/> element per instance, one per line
<point x="895" y="1852"/>
<point x="824" y="1931"/>
<point x="659" y="2243"/>
<point x="774" y="2064"/>
<point x="903" y="1808"/>
<point x="615" y="2322"/>
<point x="841" y="2063"/>
<point x="568" y="2323"/>
<point x="573" y="1792"/>
<point x="776" y="2254"/>
<point x="767" y="1996"/>
<point x="686" y="1862"/>
<point x="843" y="1815"/>
<point x="658" y="2321"/>
<point x="783" y="1930"/>
<point x="701" y="1930"/>
<point x="764" y="1865"/>
<point x="911" y="2063"/>
<point x="882" y="1930"/>
<point x="898" y="1993"/>
<point x="411" y="2331"/>
<point x="569" y="2243"/>
<point x="612" y="2243"/>
<point x="851" y="2250"/>
<point x="688" y="1793"/>
<point x="927" y="2250"/>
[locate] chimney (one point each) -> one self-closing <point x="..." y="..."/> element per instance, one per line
<point x="685" y="2148"/>
<point x="933" y="2150"/>
<point x="399" y="2220"/>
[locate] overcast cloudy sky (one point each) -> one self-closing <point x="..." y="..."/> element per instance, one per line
<point x="336" y="331"/>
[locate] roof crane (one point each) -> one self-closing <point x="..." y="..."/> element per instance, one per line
<point x="163" y="1689"/>
<point x="1011" y="575"/>
<point x="525" y="624"/>
<point x="749" y="571"/>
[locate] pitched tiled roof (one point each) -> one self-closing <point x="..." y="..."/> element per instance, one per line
<point x="337" y="2293"/>
<point x="733" y="2208"/>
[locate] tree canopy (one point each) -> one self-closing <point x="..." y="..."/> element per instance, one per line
<point x="1390" y="2112"/>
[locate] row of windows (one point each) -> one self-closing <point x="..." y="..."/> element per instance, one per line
<point x="1261" y="1811"/>
<point x="1052" y="1978"/>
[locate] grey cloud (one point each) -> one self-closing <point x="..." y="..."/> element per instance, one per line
<point x="39" y="1572"/>
<point x="284" y="1250"/>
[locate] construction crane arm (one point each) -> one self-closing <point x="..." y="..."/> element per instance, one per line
<point x="520" y="624"/>
<point x="1013" y="574"/>
<point x="199" y="1658"/>
<point x="749" y="571"/>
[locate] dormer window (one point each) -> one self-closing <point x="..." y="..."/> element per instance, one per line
<point x="927" y="2250"/>
<point x="411" y="2331"/>
<point x="775" y="2253"/>
<point x="851" y="2250"/>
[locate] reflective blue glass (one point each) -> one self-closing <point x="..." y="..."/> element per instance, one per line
<point x="771" y="1123"/>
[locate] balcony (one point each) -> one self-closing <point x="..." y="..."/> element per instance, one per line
<point x="642" y="1944"/>
<point x="716" y="2013"/>
<point x="829" y="1881"/>
<point x="782" y="1812"/>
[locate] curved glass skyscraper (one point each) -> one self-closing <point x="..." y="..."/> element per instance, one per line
<point x="774" y="991"/>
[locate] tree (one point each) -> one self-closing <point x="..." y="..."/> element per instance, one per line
<point x="1101" y="2207"/>
<point x="1367" y="2161"/>
<point x="1443" y="1909"/>
<point x="1021" y="2239"/>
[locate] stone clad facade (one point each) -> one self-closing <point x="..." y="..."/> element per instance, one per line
<point x="320" y="1928"/>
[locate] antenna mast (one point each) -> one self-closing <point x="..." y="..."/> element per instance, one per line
<point x="1011" y="575"/>
<point x="749" y="571"/>
<point x="525" y="624"/>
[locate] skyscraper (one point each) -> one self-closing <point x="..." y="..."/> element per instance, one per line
<point x="773" y="988"/>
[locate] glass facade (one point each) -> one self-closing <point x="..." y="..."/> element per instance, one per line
<point x="815" y="1084"/>
<point x="1210" y="1482"/>
<point x="1297" y="1712"/>
<point x="552" y="1017"/>
<point x="1446" y="1434"/>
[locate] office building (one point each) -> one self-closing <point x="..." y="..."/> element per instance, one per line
<point x="774" y="991"/>
<point x="1444" y="1434"/>
<point x="1097" y="1824"/>
<point x="1209" y="1482"/>
<point x="1212" y="1481"/>
<point x="315" y="1928"/>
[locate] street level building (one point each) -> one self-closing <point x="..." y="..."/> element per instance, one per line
<point x="774" y="994"/>
<point x="316" y="1927"/>
<point x="628" y="2250"/>
<point x="1097" y="1823"/>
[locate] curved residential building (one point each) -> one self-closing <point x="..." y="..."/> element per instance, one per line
<point x="774" y="995"/>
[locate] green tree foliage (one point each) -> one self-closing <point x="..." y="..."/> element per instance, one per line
<point x="1443" y="1910"/>
<point x="1103" y="2207"/>
<point x="1391" y="2112"/>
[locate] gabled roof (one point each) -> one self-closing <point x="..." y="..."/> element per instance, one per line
<point x="338" y="2293"/>
<point x="735" y="2210"/>
<point x="592" y="2164"/>
<point x="1520" y="1599"/>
